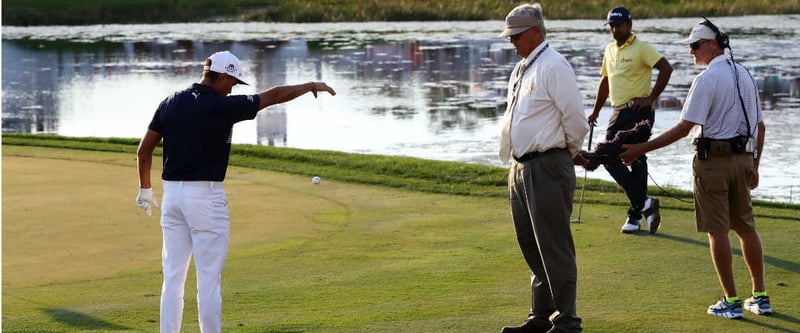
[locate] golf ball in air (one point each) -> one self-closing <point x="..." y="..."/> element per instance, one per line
<point x="316" y="180"/>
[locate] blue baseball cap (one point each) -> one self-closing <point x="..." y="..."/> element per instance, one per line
<point x="618" y="15"/>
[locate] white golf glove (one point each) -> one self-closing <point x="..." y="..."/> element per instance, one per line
<point x="145" y="200"/>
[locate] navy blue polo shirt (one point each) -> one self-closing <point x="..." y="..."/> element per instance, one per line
<point x="196" y="125"/>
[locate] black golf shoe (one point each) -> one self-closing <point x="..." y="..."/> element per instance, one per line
<point x="527" y="327"/>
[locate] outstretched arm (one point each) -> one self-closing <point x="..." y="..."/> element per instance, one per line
<point x="282" y="94"/>
<point x="680" y="130"/>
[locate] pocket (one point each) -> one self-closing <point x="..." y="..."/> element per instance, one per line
<point x="708" y="178"/>
<point x="208" y="211"/>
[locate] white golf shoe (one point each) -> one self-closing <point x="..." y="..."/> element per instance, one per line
<point x="631" y="226"/>
<point x="652" y="213"/>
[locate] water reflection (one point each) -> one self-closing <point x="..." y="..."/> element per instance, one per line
<point x="456" y="82"/>
<point x="433" y="90"/>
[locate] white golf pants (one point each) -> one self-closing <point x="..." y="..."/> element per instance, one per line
<point x="194" y="220"/>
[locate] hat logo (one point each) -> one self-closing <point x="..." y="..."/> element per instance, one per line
<point x="231" y="68"/>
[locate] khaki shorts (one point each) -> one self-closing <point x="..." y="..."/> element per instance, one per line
<point x="722" y="193"/>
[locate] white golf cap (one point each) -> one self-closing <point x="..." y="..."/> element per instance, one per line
<point x="227" y="63"/>
<point x="701" y="31"/>
<point x="521" y="19"/>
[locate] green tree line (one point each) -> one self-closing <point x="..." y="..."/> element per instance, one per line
<point x="84" y="12"/>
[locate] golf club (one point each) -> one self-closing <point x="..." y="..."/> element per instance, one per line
<point x="583" y="186"/>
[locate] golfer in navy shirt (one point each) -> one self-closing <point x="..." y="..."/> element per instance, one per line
<point x="196" y="125"/>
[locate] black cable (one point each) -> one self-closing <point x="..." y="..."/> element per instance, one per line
<point x="669" y="194"/>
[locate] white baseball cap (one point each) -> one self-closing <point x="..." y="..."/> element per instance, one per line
<point x="227" y="63"/>
<point x="700" y="31"/>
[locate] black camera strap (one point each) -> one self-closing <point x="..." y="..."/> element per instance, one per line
<point x="723" y="42"/>
<point x="741" y="100"/>
<point x="739" y="92"/>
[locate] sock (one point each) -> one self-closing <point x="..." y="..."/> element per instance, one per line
<point x="731" y="300"/>
<point x="760" y="293"/>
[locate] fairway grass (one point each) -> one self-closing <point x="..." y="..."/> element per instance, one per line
<point x="79" y="256"/>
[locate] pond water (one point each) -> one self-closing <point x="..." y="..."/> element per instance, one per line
<point x="433" y="90"/>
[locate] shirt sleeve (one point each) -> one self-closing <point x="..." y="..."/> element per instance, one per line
<point x="757" y="104"/>
<point x="241" y="107"/>
<point x="569" y="102"/>
<point x="698" y="101"/>
<point x="650" y="55"/>
<point x="603" y="69"/>
<point x="155" y="124"/>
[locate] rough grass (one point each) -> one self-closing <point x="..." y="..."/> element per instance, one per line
<point x="343" y="257"/>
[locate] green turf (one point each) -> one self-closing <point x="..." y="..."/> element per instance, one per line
<point x="78" y="256"/>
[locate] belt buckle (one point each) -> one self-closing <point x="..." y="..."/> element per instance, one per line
<point x="627" y="105"/>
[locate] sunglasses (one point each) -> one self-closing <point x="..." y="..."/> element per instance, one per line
<point x="514" y="38"/>
<point x="696" y="45"/>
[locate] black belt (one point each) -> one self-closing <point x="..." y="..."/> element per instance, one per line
<point x="722" y="147"/>
<point x="530" y="156"/>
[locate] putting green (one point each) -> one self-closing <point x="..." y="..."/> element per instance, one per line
<point x="71" y="215"/>
<point x="78" y="255"/>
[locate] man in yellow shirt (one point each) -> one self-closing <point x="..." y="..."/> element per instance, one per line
<point x="627" y="68"/>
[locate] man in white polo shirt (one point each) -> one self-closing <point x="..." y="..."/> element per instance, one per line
<point x="722" y="107"/>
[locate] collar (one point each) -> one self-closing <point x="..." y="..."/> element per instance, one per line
<point x="719" y="58"/>
<point x="628" y="42"/>
<point x="201" y="88"/>
<point x="534" y="54"/>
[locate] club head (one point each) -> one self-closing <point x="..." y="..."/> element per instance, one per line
<point x="574" y="221"/>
